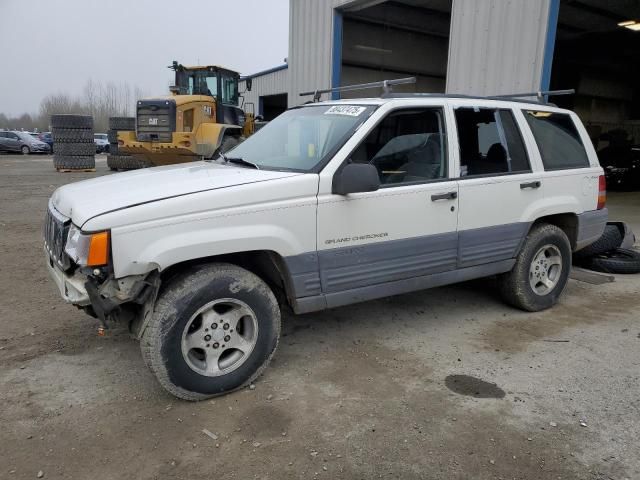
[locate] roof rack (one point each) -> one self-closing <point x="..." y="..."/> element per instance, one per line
<point x="387" y="92"/>
<point x="386" y="85"/>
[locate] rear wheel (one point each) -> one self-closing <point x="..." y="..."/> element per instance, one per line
<point x="213" y="330"/>
<point x="541" y="271"/>
<point x="25" y="150"/>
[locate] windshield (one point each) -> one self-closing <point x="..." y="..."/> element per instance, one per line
<point x="301" y="138"/>
<point x="100" y="136"/>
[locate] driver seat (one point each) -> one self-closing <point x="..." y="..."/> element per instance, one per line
<point x="425" y="163"/>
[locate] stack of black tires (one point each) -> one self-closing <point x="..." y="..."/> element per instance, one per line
<point x="73" y="145"/>
<point x="117" y="160"/>
<point x="613" y="252"/>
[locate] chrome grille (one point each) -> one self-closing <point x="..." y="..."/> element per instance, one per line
<point x="56" y="228"/>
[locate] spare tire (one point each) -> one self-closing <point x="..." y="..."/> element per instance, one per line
<point x="71" y="121"/>
<point x="84" y="149"/>
<point x="610" y="239"/>
<point x="72" y="135"/>
<point x="74" y="162"/>
<point x="620" y="260"/>
<point x="122" y="123"/>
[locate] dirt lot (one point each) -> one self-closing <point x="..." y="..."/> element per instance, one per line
<point x="380" y="389"/>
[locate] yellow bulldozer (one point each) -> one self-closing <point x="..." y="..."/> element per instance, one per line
<point x="200" y="119"/>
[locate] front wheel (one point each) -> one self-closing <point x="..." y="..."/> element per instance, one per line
<point x="541" y="271"/>
<point x="25" y="150"/>
<point x="213" y="330"/>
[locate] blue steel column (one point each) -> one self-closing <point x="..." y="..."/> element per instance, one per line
<point x="336" y="54"/>
<point x="552" y="25"/>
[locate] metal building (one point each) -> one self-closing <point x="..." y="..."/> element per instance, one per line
<point x="478" y="47"/>
<point x="268" y="95"/>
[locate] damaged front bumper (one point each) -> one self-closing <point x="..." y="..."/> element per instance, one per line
<point x="104" y="298"/>
<point x="71" y="288"/>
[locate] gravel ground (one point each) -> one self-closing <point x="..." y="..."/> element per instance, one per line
<point x="445" y="383"/>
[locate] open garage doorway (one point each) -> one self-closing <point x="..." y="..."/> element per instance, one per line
<point x="272" y="105"/>
<point x="395" y="39"/>
<point x="598" y="55"/>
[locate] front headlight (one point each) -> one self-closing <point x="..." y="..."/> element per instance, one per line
<point x="87" y="249"/>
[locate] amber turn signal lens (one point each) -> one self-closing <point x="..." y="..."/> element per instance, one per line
<point x="98" y="250"/>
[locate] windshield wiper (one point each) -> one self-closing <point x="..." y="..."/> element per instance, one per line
<point x="239" y="161"/>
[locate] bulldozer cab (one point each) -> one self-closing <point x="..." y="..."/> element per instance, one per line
<point x="210" y="80"/>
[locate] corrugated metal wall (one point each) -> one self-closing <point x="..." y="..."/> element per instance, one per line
<point x="310" y="44"/>
<point x="270" y="84"/>
<point x="497" y="46"/>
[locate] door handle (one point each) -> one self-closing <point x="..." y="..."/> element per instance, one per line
<point x="444" y="196"/>
<point x="535" y="184"/>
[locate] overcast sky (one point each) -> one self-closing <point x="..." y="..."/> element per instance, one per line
<point x="53" y="46"/>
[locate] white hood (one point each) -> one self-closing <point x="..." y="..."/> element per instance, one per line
<point x="89" y="198"/>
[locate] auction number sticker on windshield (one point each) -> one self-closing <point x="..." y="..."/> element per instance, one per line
<point x="350" y="110"/>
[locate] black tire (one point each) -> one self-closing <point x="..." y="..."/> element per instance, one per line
<point x="72" y="135"/>
<point x="620" y="260"/>
<point x="515" y="286"/>
<point x="127" y="162"/>
<point x="25" y="150"/>
<point x="181" y="299"/>
<point x="122" y="123"/>
<point x="228" y="142"/>
<point x="610" y="239"/>
<point x="72" y="121"/>
<point x="113" y="149"/>
<point x="83" y="149"/>
<point x="74" y="162"/>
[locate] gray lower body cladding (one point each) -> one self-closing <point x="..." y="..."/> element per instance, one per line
<point x="345" y="275"/>
<point x="590" y="227"/>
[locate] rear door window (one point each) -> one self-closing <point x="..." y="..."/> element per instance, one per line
<point x="490" y="143"/>
<point x="558" y="140"/>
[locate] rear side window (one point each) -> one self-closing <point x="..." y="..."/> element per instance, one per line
<point x="558" y="140"/>
<point x="490" y="143"/>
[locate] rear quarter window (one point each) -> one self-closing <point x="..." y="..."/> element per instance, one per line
<point x="558" y="140"/>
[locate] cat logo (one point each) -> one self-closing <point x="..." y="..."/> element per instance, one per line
<point x="207" y="109"/>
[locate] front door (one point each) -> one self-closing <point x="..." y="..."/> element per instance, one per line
<point x="406" y="229"/>
<point x="497" y="185"/>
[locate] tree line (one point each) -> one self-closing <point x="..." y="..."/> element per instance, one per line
<point x="101" y="100"/>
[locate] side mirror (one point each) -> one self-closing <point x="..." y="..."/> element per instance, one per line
<point x="355" y="178"/>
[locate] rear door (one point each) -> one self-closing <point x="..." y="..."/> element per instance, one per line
<point x="3" y="142"/>
<point x="497" y="184"/>
<point x="568" y="172"/>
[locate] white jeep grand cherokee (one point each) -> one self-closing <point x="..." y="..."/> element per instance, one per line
<point x="329" y="204"/>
